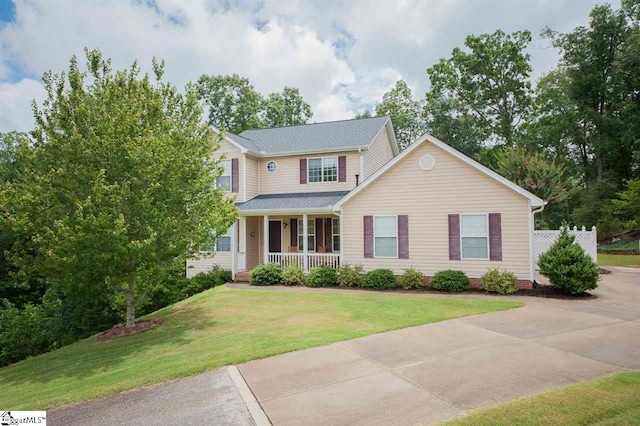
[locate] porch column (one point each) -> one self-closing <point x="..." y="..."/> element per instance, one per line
<point x="305" y="242"/>
<point x="341" y="240"/>
<point x="234" y="249"/>
<point x="265" y="243"/>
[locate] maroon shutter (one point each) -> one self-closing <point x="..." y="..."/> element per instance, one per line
<point x="342" y="168"/>
<point x="328" y="234"/>
<point x="368" y="236"/>
<point x="235" y="184"/>
<point x="495" y="236"/>
<point x="454" y="237"/>
<point x="403" y="236"/>
<point x="294" y="233"/>
<point x="303" y="170"/>
<point x="319" y="233"/>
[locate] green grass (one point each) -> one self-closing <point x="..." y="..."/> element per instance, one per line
<point x="621" y="245"/>
<point x="618" y="259"/>
<point x="612" y="400"/>
<point x="217" y="327"/>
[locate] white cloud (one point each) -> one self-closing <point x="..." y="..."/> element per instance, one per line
<point x="15" y="104"/>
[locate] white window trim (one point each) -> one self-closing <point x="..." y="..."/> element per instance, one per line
<point x="267" y="166"/>
<point x="230" y="175"/>
<point x="310" y="220"/>
<point x="385" y="236"/>
<point x="335" y="235"/>
<point x="487" y="237"/>
<point x="322" y="169"/>
<point x="228" y="233"/>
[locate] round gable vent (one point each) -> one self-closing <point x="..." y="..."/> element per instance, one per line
<point x="427" y="162"/>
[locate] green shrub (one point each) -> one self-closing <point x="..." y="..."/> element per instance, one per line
<point x="411" y="278"/>
<point x="267" y="274"/>
<point x="567" y="265"/>
<point x="450" y="281"/>
<point x="503" y="282"/>
<point x="206" y="280"/>
<point x="380" y="279"/>
<point x="322" y="276"/>
<point x="293" y="275"/>
<point x="349" y="275"/>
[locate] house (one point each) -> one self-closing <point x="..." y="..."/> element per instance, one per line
<point x="340" y="192"/>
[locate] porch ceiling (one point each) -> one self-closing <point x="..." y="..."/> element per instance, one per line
<point x="291" y="202"/>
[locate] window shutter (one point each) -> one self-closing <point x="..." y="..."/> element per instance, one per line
<point x="235" y="184"/>
<point x="328" y="234"/>
<point x="319" y="234"/>
<point x="454" y="237"/>
<point x="495" y="236"/>
<point x="403" y="236"/>
<point x="294" y="233"/>
<point x="342" y="168"/>
<point x="303" y="170"/>
<point x="368" y="236"/>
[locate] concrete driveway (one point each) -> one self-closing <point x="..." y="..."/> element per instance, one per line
<point x="431" y="373"/>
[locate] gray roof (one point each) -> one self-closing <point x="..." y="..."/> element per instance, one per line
<point x="306" y="200"/>
<point x="333" y="135"/>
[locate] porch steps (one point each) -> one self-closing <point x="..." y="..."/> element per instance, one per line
<point x="242" y="277"/>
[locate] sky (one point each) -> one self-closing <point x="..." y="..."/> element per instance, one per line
<point x="342" y="55"/>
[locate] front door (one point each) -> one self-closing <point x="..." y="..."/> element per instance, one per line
<point x="275" y="236"/>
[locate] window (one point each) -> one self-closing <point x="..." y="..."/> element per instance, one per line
<point x="272" y="166"/>
<point x="385" y="233"/>
<point x="311" y="238"/>
<point x="335" y="231"/>
<point x="474" y="233"/>
<point x="224" y="241"/>
<point x="224" y="180"/>
<point x="323" y="169"/>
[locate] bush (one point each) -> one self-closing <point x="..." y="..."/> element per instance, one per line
<point x="450" y="281"/>
<point x="293" y="275"/>
<point x="322" y="276"/>
<point x="349" y="275"/>
<point x="503" y="282"/>
<point x="567" y="265"/>
<point x="206" y="280"/>
<point x="411" y="278"/>
<point x="380" y="279"/>
<point x="267" y="274"/>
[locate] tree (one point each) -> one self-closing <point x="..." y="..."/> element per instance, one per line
<point x="231" y="101"/>
<point x="405" y="113"/>
<point x="119" y="183"/>
<point x="286" y="109"/>
<point x="490" y="82"/>
<point x="627" y="204"/>
<point x="365" y="114"/>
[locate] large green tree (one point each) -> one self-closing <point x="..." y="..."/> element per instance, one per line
<point x="118" y="185"/>
<point x="405" y="113"/>
<point x="286" y="109"/>
<point x="489" y="80"/>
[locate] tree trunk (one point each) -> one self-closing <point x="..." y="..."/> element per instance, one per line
<point x="131" y="306"/>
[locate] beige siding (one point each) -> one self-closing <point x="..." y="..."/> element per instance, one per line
<point x="205" y="261"/>
<point x="378" y="154"/>
<point x="252" y="184"/>
<point x="287" y="177"/>
<point x="427" y="197"/>
<point x="253" y="242"/>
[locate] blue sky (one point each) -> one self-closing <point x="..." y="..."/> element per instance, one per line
<point x="341" y="55"/>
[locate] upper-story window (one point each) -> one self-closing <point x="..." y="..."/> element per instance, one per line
<point x="224" y="180"/>
<point x="324" y="169"/>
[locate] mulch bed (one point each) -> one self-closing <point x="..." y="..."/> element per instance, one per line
<point x="120" y="330"/>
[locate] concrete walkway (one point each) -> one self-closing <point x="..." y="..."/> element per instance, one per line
<point x="430" y="373"/>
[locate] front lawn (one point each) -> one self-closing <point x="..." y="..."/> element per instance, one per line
<point x="618" y="259"/>
<point x="612" y="400"/>
<point x="218" y="327"/>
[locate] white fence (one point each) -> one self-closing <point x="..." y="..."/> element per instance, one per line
<point x="542" y="240"/>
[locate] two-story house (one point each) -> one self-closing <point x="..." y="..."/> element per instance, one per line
<point x="339" y="192"/>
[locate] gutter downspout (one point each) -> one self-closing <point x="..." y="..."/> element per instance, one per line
<point x="361" y="163"/>
<point x="531" y="243"/>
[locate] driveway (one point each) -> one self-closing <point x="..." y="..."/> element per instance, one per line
<point x="431" y="373"/>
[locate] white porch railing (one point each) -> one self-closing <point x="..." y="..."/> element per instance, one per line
<point x="314" y="259"/>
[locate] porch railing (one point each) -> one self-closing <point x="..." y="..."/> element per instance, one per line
<point x="314" y="259"/>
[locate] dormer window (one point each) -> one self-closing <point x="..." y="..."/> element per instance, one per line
<point x="323" y="169"/>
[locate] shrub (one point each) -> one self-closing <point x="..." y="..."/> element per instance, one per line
<point x="293" y="275"/>
<point x="380" y="279"/>
<point x="411" y="278"/>
<point x="567" y="265"/>
<point x="322" y="276"/>
<point x="349" y="275"/>
<point x="206" y="280"/>
<point x="503" y="282"/>
<point x="450" y="281"/>
<point x="267" y="274"/>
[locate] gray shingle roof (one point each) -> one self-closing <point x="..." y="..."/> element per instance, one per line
<point x="334" y="135"/>
<point x="306" y="200"/>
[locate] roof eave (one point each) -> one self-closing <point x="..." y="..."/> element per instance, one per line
<point x="289" y="211"/>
